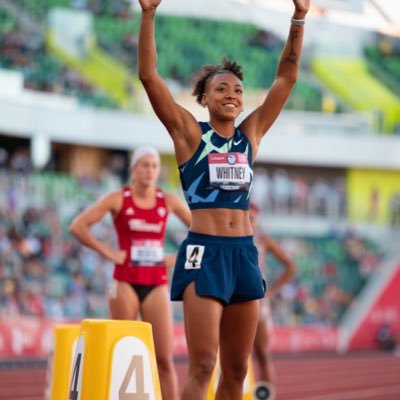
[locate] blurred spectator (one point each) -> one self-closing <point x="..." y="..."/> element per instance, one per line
<point x="394" y="210"/>
<point x="373" y="211"/>
<point x="21" y="161"/>
<point x="319" y="197"/>
<point x="300" y="191"/>
<point x="286" y="194"/>
<point x="3" y="158"/>
<point x="130" y="42"/>
<point x="339" y="186"/>
<point x="385" y="338"/>
<point x="266" y="40"/>
<point x="262" y="189"/>
<point x="282" y="191"/>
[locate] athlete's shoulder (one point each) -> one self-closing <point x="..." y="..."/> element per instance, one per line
<point x="172" y="200"/>
<point x="111" y="201"/>
<point x="205" y="126"/>
<point x="168" y="197"/>
<point x="118" y="193"/>
<point x="163" y="198"/>
<point x="160" y="193"/>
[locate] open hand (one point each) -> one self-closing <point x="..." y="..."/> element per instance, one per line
<point x="119" y="257"/>
<point x="302" y="6"/>
<point x="149" y="4"/>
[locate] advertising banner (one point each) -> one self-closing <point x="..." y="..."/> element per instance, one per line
<point x="26" y="337"/>
<point x="383" y="315"/>
<point x="374" y="196"/>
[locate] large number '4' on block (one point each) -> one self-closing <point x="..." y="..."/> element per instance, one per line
<point x="115" y="360"/>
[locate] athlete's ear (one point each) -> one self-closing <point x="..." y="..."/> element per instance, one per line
<point x="203" y="100"/>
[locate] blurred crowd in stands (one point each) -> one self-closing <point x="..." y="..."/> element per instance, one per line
<point x="44" y="272"/>
<point x="26" y="53"/>
<point x="121" y="9"/>
<point x="115" y="28"/>
<point x="18" y="161"/>
<point x="331" y="271"/>
<point x="115" y="25"/>
<point x="280" y="193"/>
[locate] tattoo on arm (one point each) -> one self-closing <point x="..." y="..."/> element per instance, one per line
<point x="292" y="56"/>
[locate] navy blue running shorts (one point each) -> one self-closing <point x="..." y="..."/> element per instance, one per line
<point x="222" y="267"/>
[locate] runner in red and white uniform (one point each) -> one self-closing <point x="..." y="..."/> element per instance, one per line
<point x="265" y="244"/>
<point x="140" y="211"/>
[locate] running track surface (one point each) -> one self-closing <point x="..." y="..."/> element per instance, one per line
<point x="357" y="376"/>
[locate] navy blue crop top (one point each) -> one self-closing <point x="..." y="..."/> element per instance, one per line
<point x="219" y="174"/>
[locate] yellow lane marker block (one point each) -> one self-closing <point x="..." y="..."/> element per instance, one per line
<point x="115" y="360"/>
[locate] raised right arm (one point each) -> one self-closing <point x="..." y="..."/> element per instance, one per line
<point x="181" y="125"/>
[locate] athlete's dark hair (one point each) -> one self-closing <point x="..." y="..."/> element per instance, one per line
<point x="208" y="71"/>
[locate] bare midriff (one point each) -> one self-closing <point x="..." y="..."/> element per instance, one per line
<point x="221" y="222"/>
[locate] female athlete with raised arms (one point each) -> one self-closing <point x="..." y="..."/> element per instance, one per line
<point x="216" y="273"/>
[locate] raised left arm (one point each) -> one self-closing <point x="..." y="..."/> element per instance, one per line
<point x="260" y="120"/>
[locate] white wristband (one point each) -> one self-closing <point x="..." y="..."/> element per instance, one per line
<point x="298" y="22"/>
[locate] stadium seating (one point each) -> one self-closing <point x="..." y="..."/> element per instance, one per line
<point x="26" y="53"/>
<point x="385" y="66"/>
<point x="178" y="59"/>
<point x="116" y="26"/>
<point x="45" y="272"/>
<point x="349" y="78"/>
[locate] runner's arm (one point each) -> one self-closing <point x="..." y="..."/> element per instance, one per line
<point x="273" y="247"/>
<point x="81" y="224"/>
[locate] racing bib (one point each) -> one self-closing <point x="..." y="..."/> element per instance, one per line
<point x="147" y="252"/>
<point x="229" y="171"/>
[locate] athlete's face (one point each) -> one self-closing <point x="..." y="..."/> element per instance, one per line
<point x="146" y="171"/>
<point x="224" y="95"/>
